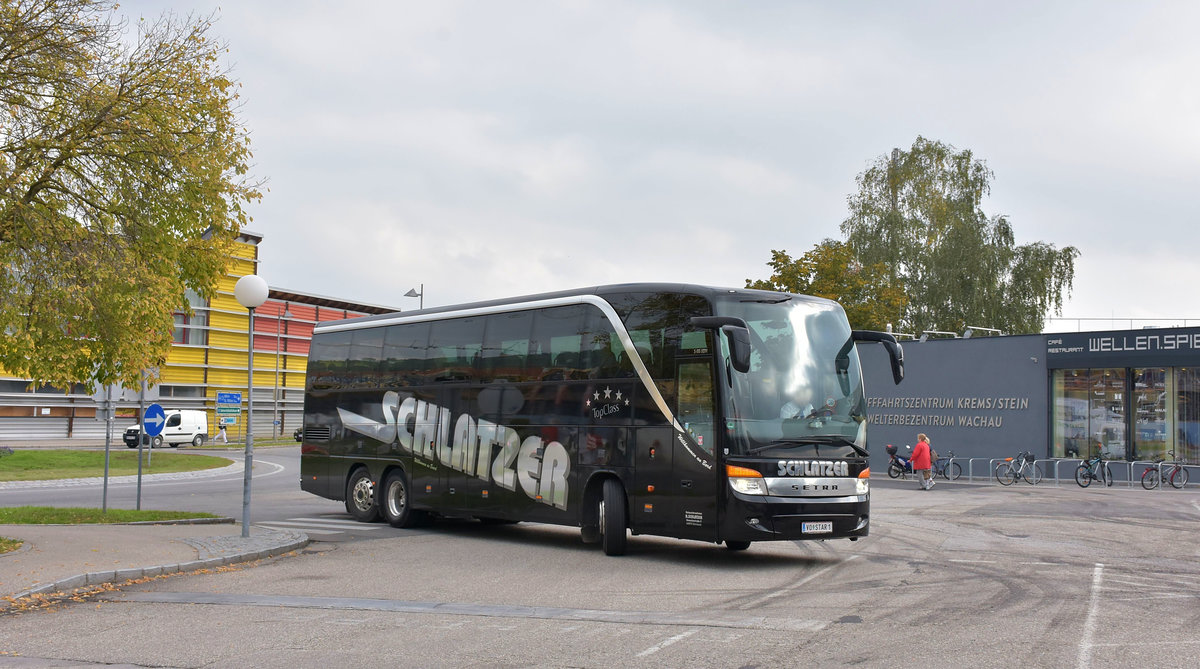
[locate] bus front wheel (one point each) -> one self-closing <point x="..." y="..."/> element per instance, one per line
<point x="735" y="545"/>
<point x="612" y="518"/>
<point x="360" y="497"/>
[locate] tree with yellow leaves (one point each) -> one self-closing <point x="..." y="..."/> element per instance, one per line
<point x="123" y="183"/>
<point x="830" y="270"/>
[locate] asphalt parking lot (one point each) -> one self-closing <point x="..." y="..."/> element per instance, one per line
<point x="962" y="575"/>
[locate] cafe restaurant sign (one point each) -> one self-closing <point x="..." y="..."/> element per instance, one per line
<point x="1124" y="348"/>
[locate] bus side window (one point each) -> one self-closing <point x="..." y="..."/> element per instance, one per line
<point x="456" y="346"/>
<point x="404" y="351"/>
<point x="695" y="407"/>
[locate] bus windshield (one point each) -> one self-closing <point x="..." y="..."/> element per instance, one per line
<point x="803" y="394"/>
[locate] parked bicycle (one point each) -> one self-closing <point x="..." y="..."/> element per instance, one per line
<point x="1024" y="466"/>
<point x="1094" y="469"/>
<point x="947" y="469"/>
<point x="1177" y="474"/>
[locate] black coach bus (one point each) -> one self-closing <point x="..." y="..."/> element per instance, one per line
<point x="715" y="414"/>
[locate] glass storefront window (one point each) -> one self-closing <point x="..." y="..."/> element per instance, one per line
<point x="1187" y="407"/>
<point x="1152" y="422"/>
<point x="1070" y="393"/>
<point x="1106" y="419"/>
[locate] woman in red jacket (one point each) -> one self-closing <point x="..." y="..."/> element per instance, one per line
<point x="922" y="462"/>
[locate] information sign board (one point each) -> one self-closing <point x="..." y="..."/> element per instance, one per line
<point x="229" y="398"/>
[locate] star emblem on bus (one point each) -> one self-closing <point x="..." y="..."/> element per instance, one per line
<point x="609" y="394"/>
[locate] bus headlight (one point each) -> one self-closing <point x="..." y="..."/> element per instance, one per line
<point x="745" y="480"/>
<point x="863" y="484"/>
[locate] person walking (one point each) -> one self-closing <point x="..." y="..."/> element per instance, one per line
<point x="221" y="436"/>
<point x="922" y="463"/>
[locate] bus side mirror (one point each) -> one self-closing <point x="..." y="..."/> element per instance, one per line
<point x="739" y="347"/>
<point x="895" y="352"/>
<point x="739" y="337"/>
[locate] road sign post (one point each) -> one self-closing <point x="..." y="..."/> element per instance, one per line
<point x="153" y="420"/>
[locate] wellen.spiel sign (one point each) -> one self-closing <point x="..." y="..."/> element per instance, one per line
<point x="1167" y="347"/>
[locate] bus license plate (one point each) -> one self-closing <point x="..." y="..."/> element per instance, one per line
<point x="824" y="527"/>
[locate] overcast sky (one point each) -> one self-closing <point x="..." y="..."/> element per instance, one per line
<point x="487" y="149"/>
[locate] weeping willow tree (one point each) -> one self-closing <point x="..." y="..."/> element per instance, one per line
<point x="918" y="213"/>
<point x="122" y="185"/>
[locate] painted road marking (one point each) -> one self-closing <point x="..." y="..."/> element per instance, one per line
<point x="659" y="646"/>
<point x="1089" y="624"/>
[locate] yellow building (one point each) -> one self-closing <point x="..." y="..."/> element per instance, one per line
<point x="207" y="357"/>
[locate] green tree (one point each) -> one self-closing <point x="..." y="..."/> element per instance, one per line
<point x="919" y="213"/>
<point x="123" y="181"/>
<point x="830" y="270"/>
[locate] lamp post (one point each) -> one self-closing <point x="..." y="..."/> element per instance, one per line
<point x="412" y="292"/>
<point x="277" y="424"/>
<point x="251" y="291"/>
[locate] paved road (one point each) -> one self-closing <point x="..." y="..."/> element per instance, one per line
<point x="987" y="576"/>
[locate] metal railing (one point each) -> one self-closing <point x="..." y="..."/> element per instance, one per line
<point x="1123" y="470"/>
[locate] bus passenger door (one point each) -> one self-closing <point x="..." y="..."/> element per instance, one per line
<point x="694" y="476"/>
<point x="652" y="501"/>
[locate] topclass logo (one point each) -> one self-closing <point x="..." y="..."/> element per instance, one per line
<point x="613" y="401"/>
<point x="423" y="429"/>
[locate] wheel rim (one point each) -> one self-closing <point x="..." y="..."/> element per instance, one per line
<point x="364" y="493"/>
<point x="397" y="499"/>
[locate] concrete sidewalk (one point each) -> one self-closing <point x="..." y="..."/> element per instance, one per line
<point x="58" y="558"/>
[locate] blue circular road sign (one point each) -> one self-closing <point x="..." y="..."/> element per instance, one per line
<point x="154" y="419"/>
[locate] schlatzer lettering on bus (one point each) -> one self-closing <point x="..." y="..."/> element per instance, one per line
<point x="813" y="468"/>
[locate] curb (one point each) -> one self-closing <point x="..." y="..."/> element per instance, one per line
<point x="278" y="543"/>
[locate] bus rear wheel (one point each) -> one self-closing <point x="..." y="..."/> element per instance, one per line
<point x="736" y="545"/>
<point x="612" y="518"/>
<point x="396" y="504"/>
<point x="360" y="497"/>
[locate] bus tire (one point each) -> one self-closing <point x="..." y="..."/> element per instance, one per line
<point x="360" y="497"/>
<point x="735" y="545"/>
<point x="612" y="518"/>
<point x="394" y="500"/>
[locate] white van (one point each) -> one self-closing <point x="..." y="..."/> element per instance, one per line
<point x="182" y="426"/>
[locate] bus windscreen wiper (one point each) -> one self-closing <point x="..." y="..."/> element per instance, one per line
<point x="769" y="301"/>
<point x="815" y="440"/>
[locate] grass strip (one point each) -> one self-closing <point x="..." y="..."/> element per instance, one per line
<point x="43" y="464"/>
<point x="54" y="515"/>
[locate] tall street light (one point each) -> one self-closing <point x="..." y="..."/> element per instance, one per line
<point x="287" y="315"/>
<point x="412" y="292"/>
<point x="251" y="291"/>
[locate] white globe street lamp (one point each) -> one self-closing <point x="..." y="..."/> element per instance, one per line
<point x="251" y="291"/>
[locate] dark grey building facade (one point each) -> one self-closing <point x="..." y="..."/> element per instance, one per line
<point x="1128" y="394"/>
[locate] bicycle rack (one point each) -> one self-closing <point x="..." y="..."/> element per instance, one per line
<point x="1116" y="466"/>
<point x="990" y="476"/>
<point x="1059" y="461"/>
<point x="1162" y="483"/>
